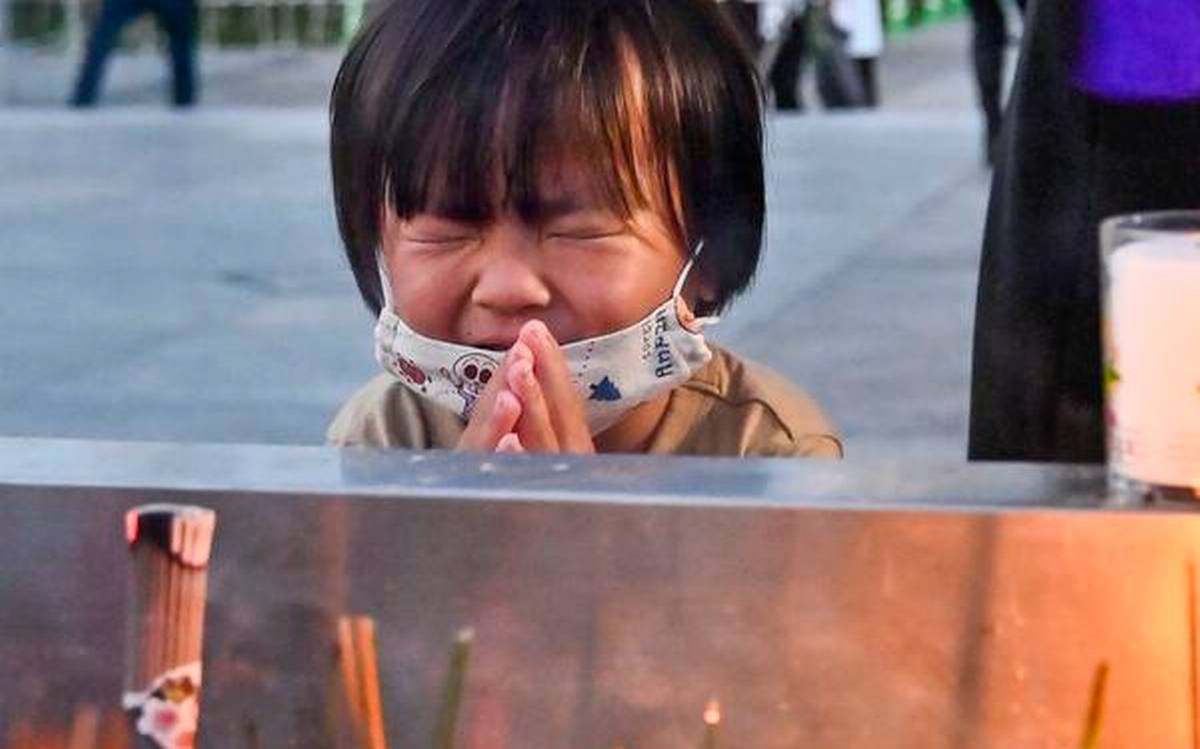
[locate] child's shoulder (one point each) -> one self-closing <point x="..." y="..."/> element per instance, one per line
<point x="745" y="408"/>
<point x="385" y="413"/>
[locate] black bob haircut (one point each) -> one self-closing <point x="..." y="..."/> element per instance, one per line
<point x="661" y="100"/>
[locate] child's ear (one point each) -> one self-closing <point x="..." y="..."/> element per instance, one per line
<point x="700" y="301"/>
<point x="708" y="289"/>
<point x="702" y="288"/>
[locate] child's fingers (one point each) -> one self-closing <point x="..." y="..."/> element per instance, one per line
<point x="488" y="426"/>
<point x="535" y="427"/>
<point x="482" y="425"/>
<point x="510" y="443"/>
<point x="516" y="353"/>
<point x="550" y="367"/>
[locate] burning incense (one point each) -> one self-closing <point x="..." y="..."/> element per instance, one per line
<point x="348" y="671"/>
<point x="1095" y="713"/>
<point x="368" y="667"/>
<point x="712" y="720"/>
<point x="443" y="738"/>
<point x="85" y="728"/>
<point x="358" y="668"/>
<point x="170" y="546"/>
<point x="113" y="732"/>
<point x="1194" y="681"/>
<point x="21" y="735"/>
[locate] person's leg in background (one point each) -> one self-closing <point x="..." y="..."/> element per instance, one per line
<point x="114" y="14"/>
<point x="863" y="21"/>
<point x="178" y="19"/>
<point x="870" y="79"/>
<point x="990" y="37"/>
<point x="785" y="72"/>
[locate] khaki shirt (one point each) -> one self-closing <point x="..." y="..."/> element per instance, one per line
<point x="730" y="408"/>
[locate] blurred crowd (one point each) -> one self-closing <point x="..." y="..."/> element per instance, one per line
<point x="842" y="40"/>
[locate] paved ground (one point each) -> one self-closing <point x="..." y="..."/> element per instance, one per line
<point x="176" y="275"/>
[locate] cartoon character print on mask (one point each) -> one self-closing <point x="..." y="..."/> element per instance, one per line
<point x="470" y="375"/>
<point x="605" y="390"/>
<point x="612" y="372"/>
<point x="414" y="374"/>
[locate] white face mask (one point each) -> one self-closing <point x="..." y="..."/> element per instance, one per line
<point x="612" y="373"/>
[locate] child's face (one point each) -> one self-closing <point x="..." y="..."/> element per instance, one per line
<point x="584" y="271"/>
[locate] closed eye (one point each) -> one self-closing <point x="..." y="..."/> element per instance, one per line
<point x="429" y="230"/>
<point x="584" y="235"/>
<point x="439" y="240"/>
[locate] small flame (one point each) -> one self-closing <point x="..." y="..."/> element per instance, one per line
<point x="712" y="713"/>
<point x="131" y="526"/>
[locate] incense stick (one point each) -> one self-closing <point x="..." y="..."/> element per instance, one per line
<point x="21" y="735"/>
<point x="201" y="553"/>
<point x="358" y="667"/>
<point x="113" y="733"/>
<point x="1095" y="711"/>
<point x="364" y="629"/>
<point x="171" y="613"/>
<point x="85" y="728"/>
<point x="443" y="737"/>
<point x="170" y="547"/>
<point x="712" y="720"/>
<point x="348" y="668"/>
<point x="1192" y="666"/>
<point x="41" y="738"/>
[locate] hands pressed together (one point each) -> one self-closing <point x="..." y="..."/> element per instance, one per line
<point x="530" y="404"/>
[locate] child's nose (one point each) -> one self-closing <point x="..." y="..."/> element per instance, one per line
<point x="509" y="279"/>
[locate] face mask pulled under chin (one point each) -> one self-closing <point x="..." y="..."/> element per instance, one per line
<point x="612" y="373"/>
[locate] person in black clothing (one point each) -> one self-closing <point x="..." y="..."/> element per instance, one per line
<point x="784" y="74"/>
<point x="988" y="42"/>
<point x="809" y="30"/>
<point x="1066" y="160"/>
<point x="178" y="19"/>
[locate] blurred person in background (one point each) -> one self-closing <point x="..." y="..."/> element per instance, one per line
<point x="863" y="22"/>
<point x="176" y="17"/>
<point x="843" y="38"/>
<point x="988" y="42"/>
<point x="1104" y="119"/>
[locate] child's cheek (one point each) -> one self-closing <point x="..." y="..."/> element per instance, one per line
<point x="429" y="298"/>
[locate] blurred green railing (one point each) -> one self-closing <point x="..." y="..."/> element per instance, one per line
<point x="901" y="15"/>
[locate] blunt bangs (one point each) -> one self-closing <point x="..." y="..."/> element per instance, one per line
<point x="459" y="106"/>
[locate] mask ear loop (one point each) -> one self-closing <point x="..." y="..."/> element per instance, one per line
<point x="385" y="282"/>
<point x="683" y="276"/>
<point x="687" y="268"/>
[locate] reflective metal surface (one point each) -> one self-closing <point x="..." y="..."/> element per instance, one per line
<point x="610" y="479"/>
<point x="823" y="605"/>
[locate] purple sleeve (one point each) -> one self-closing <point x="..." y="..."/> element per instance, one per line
<point x="1140" y="50"/>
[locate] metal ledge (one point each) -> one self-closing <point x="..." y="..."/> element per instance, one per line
<point x="848" y="605"/>
<point x="593" y="479"/>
